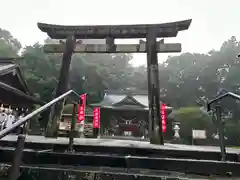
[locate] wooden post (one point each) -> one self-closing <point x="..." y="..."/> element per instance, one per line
<point x="110" y="43"/>
<point x="95" y="132"/>
<point x="62" y="87"/>
<point x="221" y="132"/>
<point x="155" y="124"/>
<point x="73" y="127"/>
<point x="15" y="169"/>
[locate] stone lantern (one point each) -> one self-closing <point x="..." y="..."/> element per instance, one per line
<point x="176" y="129"/>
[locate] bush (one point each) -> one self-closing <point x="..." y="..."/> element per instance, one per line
<point x="232" y="132"/>
<point x="192" y="118"/>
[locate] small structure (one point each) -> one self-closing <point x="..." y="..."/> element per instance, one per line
<point x="13" y="87"/>
<point x="83" y="127"/>
<point x="15" y="96"/>
<point x="65" y="124"/>
<point x="125" y="113"/>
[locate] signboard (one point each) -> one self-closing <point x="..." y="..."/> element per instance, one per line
<point x="96" y="117"/>
<point x="199" y="134"/>
<point x="163" y="117"/>
<point x="81" y="108"/>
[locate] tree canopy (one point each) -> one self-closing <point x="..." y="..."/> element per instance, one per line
<point x="189" y="79"/>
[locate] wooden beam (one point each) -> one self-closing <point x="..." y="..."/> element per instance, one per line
<point x="115" y="31"/>
<point x="119" y="48"/>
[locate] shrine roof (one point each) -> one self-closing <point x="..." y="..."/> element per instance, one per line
<point x="4" y="68"/>
<point x="116" y="31"/>
<point x="19" y="93"/>
<point x="121" y="100"/>
<point x="8" y="66"/>
<point x="12" y="80"/>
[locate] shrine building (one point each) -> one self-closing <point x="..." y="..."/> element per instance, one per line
<point x="125" y="113"/>
<point x="13" y="87"/>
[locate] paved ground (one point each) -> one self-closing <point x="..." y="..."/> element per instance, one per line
<point x="118" y="143"/>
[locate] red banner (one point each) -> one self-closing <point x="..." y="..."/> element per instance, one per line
<point x="81" y="108"/>
<point x="96" y="117"/>
<point x="164" y="117"/>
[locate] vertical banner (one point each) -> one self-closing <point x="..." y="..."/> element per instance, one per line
<point x="81" y="108"/>
<point x="96" y="117"/>
<point x="163" y="117"/>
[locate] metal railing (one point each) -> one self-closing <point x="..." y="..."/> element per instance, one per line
<point x="26" y="118"/>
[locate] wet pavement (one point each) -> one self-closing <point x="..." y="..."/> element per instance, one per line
<point x="118" y="143"/>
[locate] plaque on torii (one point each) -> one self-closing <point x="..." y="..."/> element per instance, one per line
<point x="110" y="32"/>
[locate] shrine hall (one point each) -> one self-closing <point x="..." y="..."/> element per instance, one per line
<point x="125" y="113"/>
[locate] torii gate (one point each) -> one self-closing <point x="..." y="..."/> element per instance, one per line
<point x="110" y="32"/>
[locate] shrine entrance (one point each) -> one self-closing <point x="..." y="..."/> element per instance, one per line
<point x="111" y="32"/>
<point x="125" y="114"/>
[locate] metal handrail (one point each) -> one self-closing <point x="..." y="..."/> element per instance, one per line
<point x="26" y="118"/>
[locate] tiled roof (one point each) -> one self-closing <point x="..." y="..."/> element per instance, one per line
<point x="19" y="93"/>
<point x="4" y="66"/>
<point x="8" y="66"/>
<point x="111" y="100"/>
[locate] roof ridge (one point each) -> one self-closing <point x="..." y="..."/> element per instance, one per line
<point x="9" y="59"/>
<point x="125" y="92"/>
<point x="131" y="98"/>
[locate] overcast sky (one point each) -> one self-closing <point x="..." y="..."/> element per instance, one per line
<point x="213" y="20"/>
